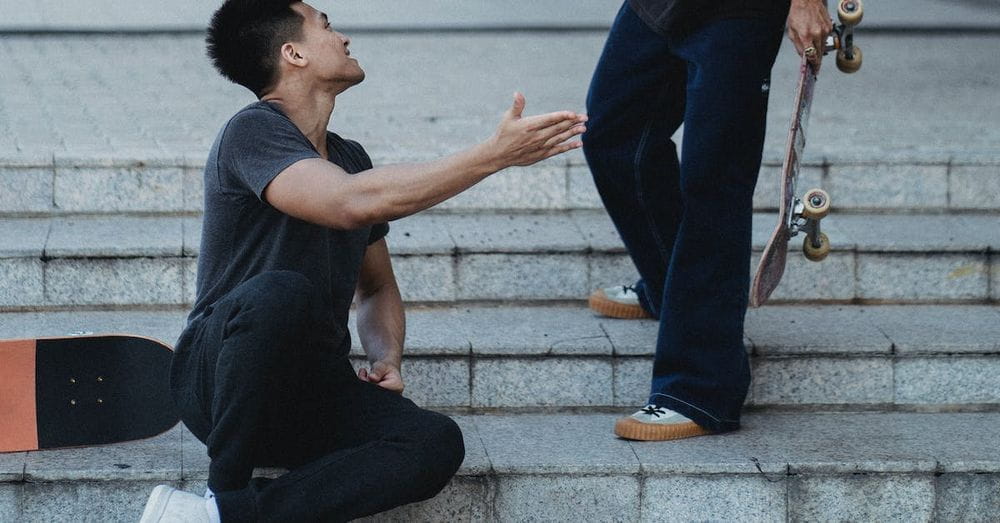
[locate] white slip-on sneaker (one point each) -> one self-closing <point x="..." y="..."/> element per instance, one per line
<point x="654" y="423"/>
<point x="169" y="505"/>
<point x="617" y="302"/>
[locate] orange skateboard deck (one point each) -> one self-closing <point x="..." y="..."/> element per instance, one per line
<point x="79" y="391"/>
<point x="797" y="215"/>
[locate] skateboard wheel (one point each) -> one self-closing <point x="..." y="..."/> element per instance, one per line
<point x="849" y="64"/>
<point x="850" y="12"/>
<point x="816" y="204"/>
<point x="816" y="253"/>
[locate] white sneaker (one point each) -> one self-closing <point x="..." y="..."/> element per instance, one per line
<point x="169" y="505"/>
<point x="617" y="302"/>
<point x="654" y="423"/>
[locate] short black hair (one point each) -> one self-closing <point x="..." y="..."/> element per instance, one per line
<point x="245" y="37"/>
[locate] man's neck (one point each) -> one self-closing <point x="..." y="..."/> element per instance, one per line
<point x="310" y="112"/>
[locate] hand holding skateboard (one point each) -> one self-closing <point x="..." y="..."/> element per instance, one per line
<point x="797" y="215"/>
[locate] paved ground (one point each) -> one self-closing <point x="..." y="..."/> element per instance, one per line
<point x="423" y="14"/>
<point x="566" y="467"/>
<point x="917" y="98"/>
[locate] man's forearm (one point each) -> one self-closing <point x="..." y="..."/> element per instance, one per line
<point x="394" y="191"/>
<point x="319" y="192"/>
<point x="382" y="325"/>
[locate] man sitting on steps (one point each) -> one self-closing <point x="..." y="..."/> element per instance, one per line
<point x="294" y="227"/>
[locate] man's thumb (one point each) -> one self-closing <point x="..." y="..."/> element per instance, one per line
<point x="517" y="109"/>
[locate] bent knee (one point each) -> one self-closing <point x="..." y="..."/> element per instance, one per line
<point x="443" y="452"/>
<point x="452" y="443"/>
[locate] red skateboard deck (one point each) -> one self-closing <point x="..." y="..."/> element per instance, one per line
<point x="81" y="391"/>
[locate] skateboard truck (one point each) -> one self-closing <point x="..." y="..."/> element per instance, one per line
<point x="805" y="216"/>
<point x="849" y="56"/>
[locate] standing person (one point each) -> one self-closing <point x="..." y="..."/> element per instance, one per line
<point x="686" y="222"/>
<point x="294" y="227"/>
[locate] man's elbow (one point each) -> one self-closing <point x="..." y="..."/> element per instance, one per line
<point x="355" y="213"/>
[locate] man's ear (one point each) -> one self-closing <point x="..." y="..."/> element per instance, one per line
<point x="290" y="54"/>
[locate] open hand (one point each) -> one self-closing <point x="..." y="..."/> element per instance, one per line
<point x="384" y="375"/>
<point x="521" y="140"/>
<point x="809" y="24"/>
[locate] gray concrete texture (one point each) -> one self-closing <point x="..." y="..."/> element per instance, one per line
<point x="554" y="185"/>
<point x="421" y="14"/>
<point x="513" y="357"/>
<point x="134" y="260"/>
<point x="156" y="99"/>
<point x="888" y="466"/>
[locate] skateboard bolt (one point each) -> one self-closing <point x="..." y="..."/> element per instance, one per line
<point x="72" y="402"/>
<point x="72" y="380"/>
<point x="850" y="7"/>
<point x="816" y="200"/>
<point x="100" y="379"/>
<point x="99" y="401"/>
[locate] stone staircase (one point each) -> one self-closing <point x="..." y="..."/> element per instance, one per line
<point x="876" y="393"/>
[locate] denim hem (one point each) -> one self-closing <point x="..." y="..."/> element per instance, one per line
<point x="700" y="416"/>
<point x="644" y="302"/>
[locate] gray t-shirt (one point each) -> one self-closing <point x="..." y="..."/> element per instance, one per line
<point x="243" y="236"/>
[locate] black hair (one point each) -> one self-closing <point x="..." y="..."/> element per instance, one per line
<point x="245" y="37"/>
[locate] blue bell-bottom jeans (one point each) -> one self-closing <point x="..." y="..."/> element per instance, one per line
<point x="686" y="221"/>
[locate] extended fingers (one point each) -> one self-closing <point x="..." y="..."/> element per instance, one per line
<point x="556" y="129"/>
<point x="542" y="121"/>
<point x="562" y="148"/>
<point x="566" y="134"/>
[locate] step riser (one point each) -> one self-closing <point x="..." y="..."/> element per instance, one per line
<point x="165" y="188"/>
<point x="566" y="497"/>
<point x="930" y="357"/>
<point x="823" y="383"/>
<point x="27" y="283"/>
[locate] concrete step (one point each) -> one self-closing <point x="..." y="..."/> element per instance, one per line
<point x="517" y="357"/>
<point x="137" y="186"/>
<point x="151" y="261"/>
<point x="569" y="467"/>
<point x="925" y="140"/>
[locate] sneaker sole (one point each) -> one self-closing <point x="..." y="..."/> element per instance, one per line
<point x="601" y="304"/>
<point x="631" y="428"/>
<point x="156" y="505"/>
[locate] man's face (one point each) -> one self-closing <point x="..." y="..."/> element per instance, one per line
<point x="326" y="49"/>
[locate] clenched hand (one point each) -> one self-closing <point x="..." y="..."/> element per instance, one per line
<point x="384" y="375"/>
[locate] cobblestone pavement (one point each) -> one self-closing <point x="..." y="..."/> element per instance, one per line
<point x="916" y="98"/>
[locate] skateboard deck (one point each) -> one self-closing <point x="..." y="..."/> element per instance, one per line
<point x="804" y="215"/>
<point x="79" y="391"/>
<point x="772" y="262"/>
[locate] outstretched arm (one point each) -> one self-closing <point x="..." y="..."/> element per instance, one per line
<point x="319" y="192"/>
<point x="381" y="323"/>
